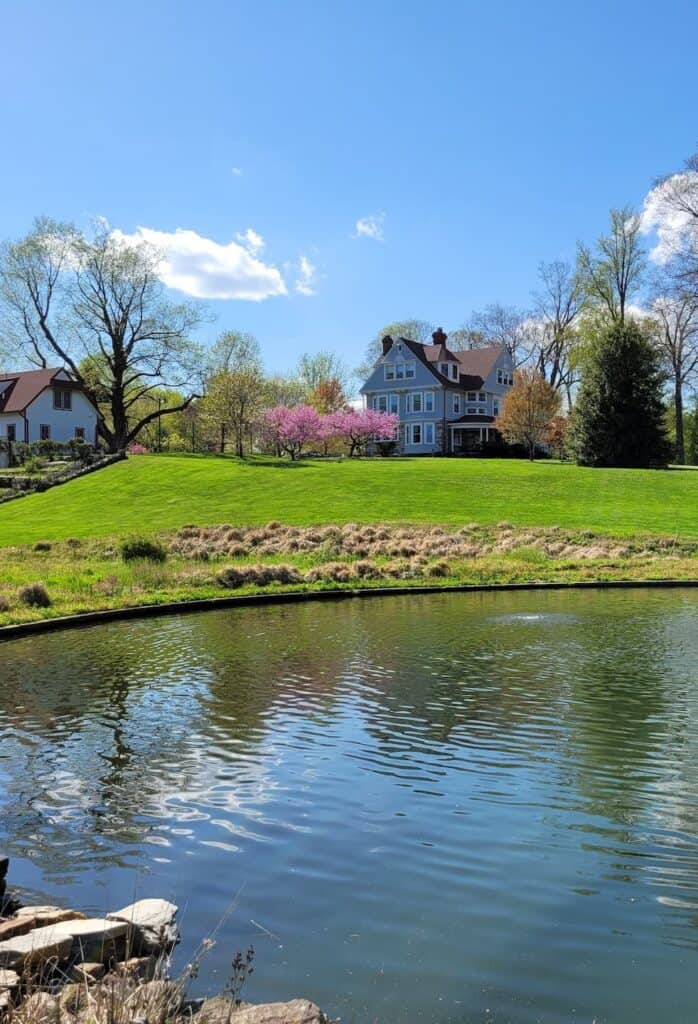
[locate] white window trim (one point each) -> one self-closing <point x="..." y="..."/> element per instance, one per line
<point x="410" y="428"/>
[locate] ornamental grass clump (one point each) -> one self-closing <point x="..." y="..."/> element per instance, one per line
<point x="35" y="595"/>
<point x="142" y="548"/>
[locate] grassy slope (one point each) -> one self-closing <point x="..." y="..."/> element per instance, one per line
<point x="165" y="492"/>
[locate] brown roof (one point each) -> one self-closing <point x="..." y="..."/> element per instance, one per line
<point x="479" y="361"/>
<point x="476" y="364"/>
<point x="25" y="387"/>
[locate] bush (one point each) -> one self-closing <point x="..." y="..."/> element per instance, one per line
<point x="35" y="595"/>
<point x="4" y="604"/>
<point x="42" y="545"/>
<point x="141" y="547"/>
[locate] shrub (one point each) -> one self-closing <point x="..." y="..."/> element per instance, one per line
<point x="137" y="449"/>
<point x="4" y="604"/>
<point x="35" y="595"/>
<point x="141" y="547"/>
<point x="439" y="569"/>
<point x="42" y="545"/>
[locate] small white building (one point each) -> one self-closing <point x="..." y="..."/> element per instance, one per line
<point x="45" y="405"/>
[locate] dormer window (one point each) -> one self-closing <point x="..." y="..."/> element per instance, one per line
<point x="504" y="377"/>
<point x="62" y="399"/>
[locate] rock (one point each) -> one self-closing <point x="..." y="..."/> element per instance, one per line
<point x="4" y="865"/>
<point x="8" y="979"/>
<point x="17" y="926"/>
<point x="49" y="915"/>
<point x="151" y="925"/>
<point x="142" y="968"/>
<point x="87" y="973"/>
<point x="298" y="1011"/>
<point x="93" y="938"/>
<point x="34" y="911"/>
<point x="36" y="946"/>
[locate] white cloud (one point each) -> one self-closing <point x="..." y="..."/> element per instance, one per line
<point x="305" y="283"/>
<point x="252" y="241"/>
<point x="371" y="227"/>
<point x="205" y="269"/>
<point x="672" y="226"/>
<point x="237" y="171"/>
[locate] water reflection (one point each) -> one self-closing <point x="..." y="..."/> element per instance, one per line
<point x="494" y="792"/>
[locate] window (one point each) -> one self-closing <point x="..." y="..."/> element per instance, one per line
<point x="45" y="432"/>
<point x="482" y="397"/>
<point x="428" y="401"/>
<point x="380" y="402"/>
<point x="79" y="433"/>
<point x="472" y="396"/>
<point x="472" y="410"/>
<point x="495" y="407"/>
<point x="416" y="433"/>
<point x="11" y="432"/>
<point x="398" y="371"/>
<point x="394" y="403"/>
<point x="504" y="377"/>
<point x="414" y="402"/>
<point x="62" y="399"/>
<point x="428" y="433"/>
<point x="456" y="404"/>
<point x="454" y="371"/>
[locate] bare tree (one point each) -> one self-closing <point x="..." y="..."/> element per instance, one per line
<point x="502" y="325"/>
<point x="613" y="273"/>
<point x="320" y="367"/>
<point x="672" y="208"/>
<point x="557" y="305"/>
<point x="97" y="306"/>
<point x="675" y="312"/>
<point x="235" y="350"/>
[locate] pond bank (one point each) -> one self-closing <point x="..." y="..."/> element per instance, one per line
<point x="199" y="566"/>
<point x="59" y="965"/>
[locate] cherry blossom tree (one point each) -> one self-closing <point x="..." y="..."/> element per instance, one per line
<point x="293" y="428"/>
<point x="359" y="426"/>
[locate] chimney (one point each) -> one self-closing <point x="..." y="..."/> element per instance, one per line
<point x="439" y="336"/>
<point x="387" y="344"/>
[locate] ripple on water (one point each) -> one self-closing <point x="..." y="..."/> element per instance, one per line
<point x="496" y="794"/>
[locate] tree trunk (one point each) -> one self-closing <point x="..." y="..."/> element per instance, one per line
<point x="678" y="409"/>
<point x="531" y="451"/>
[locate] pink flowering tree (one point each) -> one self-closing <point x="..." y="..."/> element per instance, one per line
<point x="293" y="428"/>
<point x="359" y="426"/>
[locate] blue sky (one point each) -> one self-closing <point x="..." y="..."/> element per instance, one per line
<point x="474" y="139"/>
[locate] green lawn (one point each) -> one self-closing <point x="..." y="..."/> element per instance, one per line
<point x="149" y="493"/>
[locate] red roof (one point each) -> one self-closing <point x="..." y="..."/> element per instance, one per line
<point x="18" y="390"/>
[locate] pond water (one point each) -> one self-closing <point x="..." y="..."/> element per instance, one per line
<point x="428" y="808"/>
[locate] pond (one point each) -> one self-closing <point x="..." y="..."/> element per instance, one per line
<point x="454" y="807"/>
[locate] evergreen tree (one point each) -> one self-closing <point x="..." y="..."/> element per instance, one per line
<point x="619" y="416"/>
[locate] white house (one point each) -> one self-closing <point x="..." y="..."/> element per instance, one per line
<point x="45" y="405"/>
